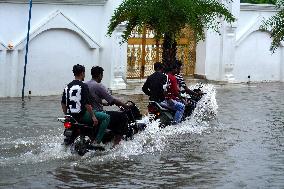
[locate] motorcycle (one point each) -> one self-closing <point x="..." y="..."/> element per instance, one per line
<point x="79" y="136"/>
<point x="166" y="115"/>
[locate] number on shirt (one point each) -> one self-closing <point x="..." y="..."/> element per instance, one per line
<point x="75" y="99"/>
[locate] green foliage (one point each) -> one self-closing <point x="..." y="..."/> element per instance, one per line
<point x="275" y="25"/>
<point x="259" y="1"/>
<point x="170" y="16"/>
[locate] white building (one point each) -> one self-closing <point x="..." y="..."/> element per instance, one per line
<point x="241" y="53"/>
<point x="66" y="32"/>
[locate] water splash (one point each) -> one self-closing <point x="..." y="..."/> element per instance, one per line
<point x="45" y="148"/>
<point x="153" y="139"/>
<point x="207" y="108"/>
<point x="33" y="150"/>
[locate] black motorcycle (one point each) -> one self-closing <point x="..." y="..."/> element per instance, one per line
<point x="166" y="115"/>
<point x="79" y="136"/>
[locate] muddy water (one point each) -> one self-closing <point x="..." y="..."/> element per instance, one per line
<point x="233" y="140"/>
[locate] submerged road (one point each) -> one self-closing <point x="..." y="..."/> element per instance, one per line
<point x="241" y="147"/>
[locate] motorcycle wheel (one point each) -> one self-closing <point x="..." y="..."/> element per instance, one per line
<point x="80" y="146"/>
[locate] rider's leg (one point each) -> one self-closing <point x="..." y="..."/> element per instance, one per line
<point x="103" y="119"/>
<point x="179" y="107"/>
<point x="118" y="125"/>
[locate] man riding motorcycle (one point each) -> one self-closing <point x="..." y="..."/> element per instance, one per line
<point x="154" y="85"/>
<point x="118" y="120"/>
<point x="164" y="90"/>
<point x="172" y="98"/>
<point x="76" y="102"/>
<point x="181" y="83"/>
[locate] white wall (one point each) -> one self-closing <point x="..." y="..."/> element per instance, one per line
<point x="242" y="50"/>
<point x="114" y="55"/>
<point x="218" y="58"/>
<point x="61" y="35"/>
<point x="200" y="58"/>
<point x="50" y="65"/>
<point x="253" y="57"/>
<point x="14" y="19"/>
<point x="213" y="56"/>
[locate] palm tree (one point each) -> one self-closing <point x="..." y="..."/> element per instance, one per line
<point x="275" y="25"/>
<point x="167" y="17"/>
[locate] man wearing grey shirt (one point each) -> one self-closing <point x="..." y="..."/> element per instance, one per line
<point x="118" y="120"/>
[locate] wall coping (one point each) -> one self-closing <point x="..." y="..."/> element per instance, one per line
<point x="63" y="2"/>
<point x="257" y="21"/>
<point x="258" y="7"/>
<point x="48" y="24"/>
<point x="3" y="46"/>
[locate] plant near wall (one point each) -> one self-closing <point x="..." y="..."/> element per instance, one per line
<point x="275" y="25"/>
<point x="167" y="17"/>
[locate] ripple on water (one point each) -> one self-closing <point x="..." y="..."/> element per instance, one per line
<point x="237" y="142"/>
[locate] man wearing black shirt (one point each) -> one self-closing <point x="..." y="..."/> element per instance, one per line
<point x="76" y="102"/>
<point x="153" y="87"/>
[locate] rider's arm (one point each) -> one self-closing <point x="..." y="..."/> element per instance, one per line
<point x="182" y="83"/>
<point x="87" y="101"/>
<point x="90" y="110"/>
<point x="64" y="108"/>
<point x="145" y="88"/>
<point x="190" y="92"/>
<point x="105" y="104"/>
<point x="103" y="92"/>
<point x="119" y="103"/>
<point x="63" y="103"/>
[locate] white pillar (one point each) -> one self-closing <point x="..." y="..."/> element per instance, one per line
<point x="229" y="54"/>
<point x="3" y="71"/>
<point x="14" y="74"/>
<point x="119" y="57"/>
<point x="229" y="44"/>
<point x="282" y="64"/>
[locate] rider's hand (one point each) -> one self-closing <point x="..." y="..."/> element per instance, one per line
<point x="126" y="106"/>
<point x="95" y="121"/>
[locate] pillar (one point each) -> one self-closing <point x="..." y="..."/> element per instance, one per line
<point x="229" y="44"/>
<point x="119" y="57"/>
<point x="3" y="77"/>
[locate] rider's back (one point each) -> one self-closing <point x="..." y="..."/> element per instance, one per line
<point x="153" y="87"/>
<point x="76" y="96"/>
<point x="98" y="93"/>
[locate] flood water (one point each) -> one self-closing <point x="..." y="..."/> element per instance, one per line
<point x="235" y="139"/>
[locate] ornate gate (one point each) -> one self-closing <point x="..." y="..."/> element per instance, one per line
<point x="143" y="51"/>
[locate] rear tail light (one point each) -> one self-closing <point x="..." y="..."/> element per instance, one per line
<point x="67" y="125"/>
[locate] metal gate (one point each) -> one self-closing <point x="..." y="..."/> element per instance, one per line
<point x="143" y="51"/>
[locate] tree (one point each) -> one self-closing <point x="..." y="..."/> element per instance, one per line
<point x="275" y="25"/>
<point x="167" y="17"/>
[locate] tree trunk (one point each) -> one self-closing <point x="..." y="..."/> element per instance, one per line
<point x="169" y="50"/>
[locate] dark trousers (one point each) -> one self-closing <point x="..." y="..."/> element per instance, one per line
<point x="118" y="122"/>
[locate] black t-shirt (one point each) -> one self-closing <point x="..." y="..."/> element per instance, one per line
<point x="75" y="96"/>
<point x="153" y="86"/>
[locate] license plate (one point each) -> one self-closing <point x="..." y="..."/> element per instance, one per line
<point x="68" y="133"/>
